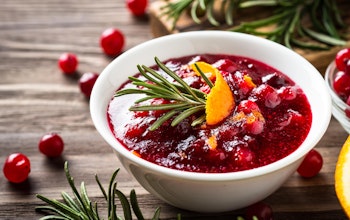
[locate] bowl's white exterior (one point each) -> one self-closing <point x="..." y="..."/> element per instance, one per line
<point x="212" y="192"/>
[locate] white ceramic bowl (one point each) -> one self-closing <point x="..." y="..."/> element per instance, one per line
<point x="338" y="105"/>
<point x="205" y="192"/>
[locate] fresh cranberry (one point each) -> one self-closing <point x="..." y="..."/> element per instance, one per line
<point x="112" y="41"/>
<point x="137" y="7"/>
<point x="68" y="63"/>
<point x="260" y="210"/>
<point x="51" y="145"/>
<point x="347" y="67"/>
<point x="16" y="168"/>
<point x="226" y="65"/>
<point x="342" y="58"/>
<point x="244" y="157"/>
<point x="247" y="106"/>
<point x="267" y="95"/>
<point x="87" y="82"/>
<point x="311" y="164"/>
<point x="341" y="84"/>
<point x="288" y="92"/>
<point x="255" y="127"/>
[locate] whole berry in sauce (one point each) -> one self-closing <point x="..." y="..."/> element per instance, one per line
<point x="311" y="164"/>
<point x="51" y="145"/>
<point x="267" y="95"/>
<point x="137" y="7"/>
<point x="112" y="41"/>
<point x="68" y="63"/>
<point x="226" y="65"/>
<point x="87" y="82"/>
<point x="16" y="168"/>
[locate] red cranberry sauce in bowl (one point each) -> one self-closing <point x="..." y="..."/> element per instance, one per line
<point x="270" y="120"/>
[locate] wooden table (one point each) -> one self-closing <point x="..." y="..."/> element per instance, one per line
<point x="35" y="98"/>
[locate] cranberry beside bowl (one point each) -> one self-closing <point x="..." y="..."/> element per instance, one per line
<point x="212" y="192"/>
<point x="340" y="110"/>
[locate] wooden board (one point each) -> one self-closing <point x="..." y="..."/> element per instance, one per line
<point x="161" y="26"/>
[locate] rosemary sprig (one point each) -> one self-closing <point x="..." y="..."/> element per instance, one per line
<point x="184" y="100"/>
<point x="80" y="206"/>
<point x="291" y="22"/>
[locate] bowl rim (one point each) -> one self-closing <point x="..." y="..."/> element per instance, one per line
<point x="296" y="155"/>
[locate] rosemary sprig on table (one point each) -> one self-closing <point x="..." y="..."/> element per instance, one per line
<point x="291" y="22"/>
<point x="81" y="207"/>
<point x="184" y="100"/>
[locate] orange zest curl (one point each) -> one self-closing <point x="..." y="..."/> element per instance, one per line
<point x="220" y="101"/>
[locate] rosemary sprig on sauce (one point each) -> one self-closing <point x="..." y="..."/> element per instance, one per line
<point x="184" y="100"/>
<point x="81" y="207"/>
<point x="312" y="24"/>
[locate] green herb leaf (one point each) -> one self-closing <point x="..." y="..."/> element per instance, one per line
<point x="286" y="21"/>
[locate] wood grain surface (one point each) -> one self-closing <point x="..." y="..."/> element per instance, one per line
<point x="35" y="98"/>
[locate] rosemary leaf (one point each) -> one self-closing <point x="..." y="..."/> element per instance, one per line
<point x="52" y="210"/>
<point x="210" y="84"/>
<point x="198" y="120"/>
<point x="125" y="204"/>
<point x="210" y="14"/>
<point x="255" y="3"/>
<point x="159" y="107"/>
<point x="101" y="187"/>
<point x="156" y="214"/>
<point x="87" y="203"/>
<point x="60" y="207"/>
<point x="309" y="45"/>
<point x="163" y="119"/>
<point x="159" y="89"/>
<point x="329" y="24"/>
<point x="70" y="201"/>
<point x="194" y="9"/>
<point x="185" y="114"/>
<point x="53" y="217"/>
<point x="110" y="196"/>
<point x="324" y="38"/>
<point x="135" y="205"/>
<point x="74" y="189"/>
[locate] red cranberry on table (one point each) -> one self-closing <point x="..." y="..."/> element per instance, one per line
<point x="311" y="164"/>
<point x="16" y="168"/>
<point x="112" y="41"/>
<point x="137" y="7"/>
<point x="51" y="145"/>
<point x="259" y="210"/>
<point x="68" y="63"/>
<point x="87" y="82"/>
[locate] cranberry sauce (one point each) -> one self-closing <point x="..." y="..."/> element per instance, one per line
<point x="271" y="118"/>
